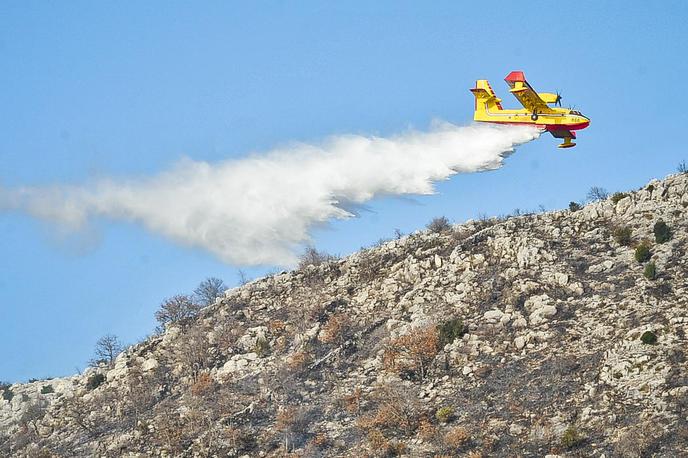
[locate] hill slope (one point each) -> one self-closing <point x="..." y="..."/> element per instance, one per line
<point x="519" y="336"/>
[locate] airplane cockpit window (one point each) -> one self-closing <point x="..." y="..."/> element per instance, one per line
<point x="573" y="112"/>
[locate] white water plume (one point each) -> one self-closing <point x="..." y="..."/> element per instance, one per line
<point x="258" y="210"/>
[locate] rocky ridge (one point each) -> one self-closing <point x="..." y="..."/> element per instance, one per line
<point x="529" y="335"/>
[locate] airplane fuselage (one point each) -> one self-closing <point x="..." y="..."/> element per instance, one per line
<point x="562" y="119"/>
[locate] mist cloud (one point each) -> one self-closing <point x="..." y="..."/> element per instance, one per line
<point x="259" y="210"/>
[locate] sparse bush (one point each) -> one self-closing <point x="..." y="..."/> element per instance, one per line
<point x="450" y="330"/>
<point x="209" y="290"/>
<point x="313" y="257"/>
<point x="378" y="443"/>
<point x="622" y="235"/>
<point x="574" y="206"/>
<point x="650" y="271"/>
<point x="662" y="232"/>
<point x="444" y="414"/>
<point x="94" y="381"/>
<point x="320" y="440"/>
<point x="439" y="225"/>
<point x="194" y="352"/>
<point x="336" y="329"/>
<point x="571" y="437"/>
<point x="107" y="349"/>
<point x="33" y="414"/>
<point x="648" y="338"/>
<point x="682" y="167"/>
<point x="299" y="360"/>
<point x="456" y="437"/>
<point x="262" y="347"/>
<point x="203" y="385"/>
<point x="293" y="423"/>
<point x="413" y="352"/>
<point x="617" y="196"/>
<point x="179" y="309"/>
<point x="426" y="430"/>
<point x="596" y="193"/>
<point x="47" y="389"/>
<point x="397" y="409"/>
<point x="642" y="252"/>
<point x="352" y="402"/>
<point x="170" y="431"/>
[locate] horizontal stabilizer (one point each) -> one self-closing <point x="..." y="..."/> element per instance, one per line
<point x="515" y="76"/>
<point x="480" y="92"/>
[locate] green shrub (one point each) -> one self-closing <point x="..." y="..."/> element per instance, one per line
<point x="622" y="235"/>
<point x="650" y="271"/>
<point x="7" y="394"/>
<point x="662" y="232"/>
<point x="617" y="196"/>
<point x="95" y="381"/>
<point x="574" y="206"/>
<point x="444" y="414"/>
<point x="571" y="437"/>
<point x="47" y="389"/>
<point x="439" y="224"/>
<point x="450" y="330"/>
<point x="642" y="253"/>
<point x="262" y="347"/>
<point x="648" y="338"/>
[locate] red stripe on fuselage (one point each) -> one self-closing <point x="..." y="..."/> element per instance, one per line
<point x="547" y="127"/>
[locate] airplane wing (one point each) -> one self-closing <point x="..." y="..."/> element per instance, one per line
<point x="525" y="93"/>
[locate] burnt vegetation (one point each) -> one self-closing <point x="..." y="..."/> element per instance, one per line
<point x="498" y="337"/>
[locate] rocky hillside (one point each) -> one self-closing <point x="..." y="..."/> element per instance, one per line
<point x="560" y="333"/>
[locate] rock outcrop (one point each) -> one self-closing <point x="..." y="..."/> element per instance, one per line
<point x="530" y="335"/>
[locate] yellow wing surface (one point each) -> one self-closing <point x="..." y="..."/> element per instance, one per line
<point x="525" y="94"/>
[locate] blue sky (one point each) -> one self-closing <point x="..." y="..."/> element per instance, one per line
<point x="118" y="89"/>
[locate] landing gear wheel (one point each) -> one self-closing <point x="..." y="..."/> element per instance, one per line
<point x="534" y="116"/>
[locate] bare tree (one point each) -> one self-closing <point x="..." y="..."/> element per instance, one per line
<point x="682" y="167"/>
<point x="596" y="193"/>
<point x="33" y="414"/>
<point x="243" y="278"/>
<point x="313" y="257"/>
<point x="107" y="349"/>
<point x="177" y="309"/>
<point x="194" y="352"/>
<point x="209" y="290"/>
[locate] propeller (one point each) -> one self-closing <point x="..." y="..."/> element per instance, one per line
<point x="558" y="99"/>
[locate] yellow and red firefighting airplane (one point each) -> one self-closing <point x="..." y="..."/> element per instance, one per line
<point x="560" y="122"/>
